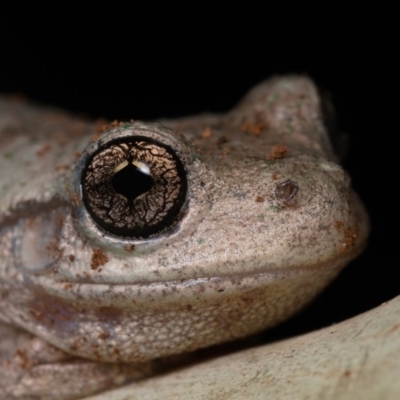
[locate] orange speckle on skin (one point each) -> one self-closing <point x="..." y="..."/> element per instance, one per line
<point x="277" y="152"/>
<point x="62" y="167"/>
<point x="95" y="137"/>
<point x="394" y="328"/>
<point x="350" y="235"/>
<point x="53" y="249"/>
<point x="25" y="361"/>
<point x="99" y="258"/>
<point x="59" y="221"/>
<point x="75" y="199"/>
<point x="253" y="128"/>
<point x="101" y="125"/>
<point x="275" y="176"/>
<point x="43" y="150"/>
<point x="206" y="133"/>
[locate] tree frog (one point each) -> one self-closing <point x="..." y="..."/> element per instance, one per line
<point x="123" y="245"/>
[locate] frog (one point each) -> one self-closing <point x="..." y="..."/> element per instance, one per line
<point x="125" y="246"/>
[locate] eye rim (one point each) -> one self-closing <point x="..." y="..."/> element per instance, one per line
<point x="164" y="218"/>
<point x="156" y="133"/>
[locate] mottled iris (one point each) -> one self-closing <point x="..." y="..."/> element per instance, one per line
<point x="134" y="187"/>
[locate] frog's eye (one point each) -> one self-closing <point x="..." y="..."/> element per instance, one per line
<point x="134" y="186"/>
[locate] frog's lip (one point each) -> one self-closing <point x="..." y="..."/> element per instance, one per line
<point x="106" y="292"/>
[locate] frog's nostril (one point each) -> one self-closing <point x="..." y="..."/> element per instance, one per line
<point x="286" y="191"/>
<point x="134" y="186"/>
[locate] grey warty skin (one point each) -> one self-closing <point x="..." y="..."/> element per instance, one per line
<point x="122" y="247"/>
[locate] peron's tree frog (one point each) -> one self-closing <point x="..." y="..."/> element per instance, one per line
<point x="129" y="243"/>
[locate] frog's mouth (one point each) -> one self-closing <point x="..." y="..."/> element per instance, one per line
<point x="112" y="293"/>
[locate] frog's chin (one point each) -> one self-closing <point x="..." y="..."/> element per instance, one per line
<point x="130" y="322"/>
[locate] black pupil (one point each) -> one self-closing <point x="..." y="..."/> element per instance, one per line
<point x="131" y="182"/>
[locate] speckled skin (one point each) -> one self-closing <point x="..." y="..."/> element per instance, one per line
<point x="241" y="258"/>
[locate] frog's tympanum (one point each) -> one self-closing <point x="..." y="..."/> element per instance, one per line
<point x="128" y="243"/>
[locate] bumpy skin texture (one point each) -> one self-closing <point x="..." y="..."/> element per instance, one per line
<point x="269" y="220"/>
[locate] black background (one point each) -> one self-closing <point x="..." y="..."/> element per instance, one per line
<point x="110" y="70"/>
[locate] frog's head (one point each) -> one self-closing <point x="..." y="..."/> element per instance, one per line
<point x="134" y="186"/>
<point x="161" y="244"/>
